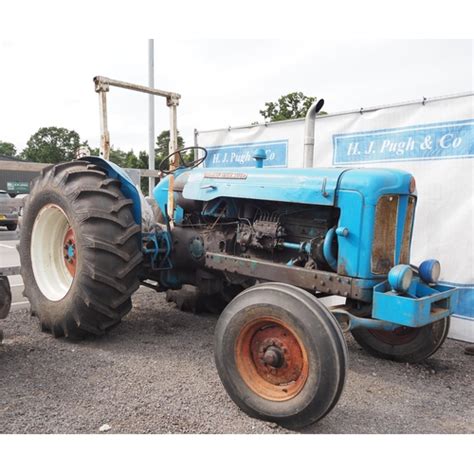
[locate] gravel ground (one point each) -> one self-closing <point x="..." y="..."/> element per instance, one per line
<point x="155" y="373"/>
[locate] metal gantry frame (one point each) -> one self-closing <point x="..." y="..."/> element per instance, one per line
<point x="102" y="86"/>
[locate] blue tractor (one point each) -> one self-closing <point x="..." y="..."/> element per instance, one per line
<point x="271" y="242"/>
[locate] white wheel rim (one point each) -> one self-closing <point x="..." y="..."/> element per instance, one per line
<point x="47" y="252"/>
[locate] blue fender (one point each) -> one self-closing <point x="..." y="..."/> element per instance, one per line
<point x="129" y="189"/>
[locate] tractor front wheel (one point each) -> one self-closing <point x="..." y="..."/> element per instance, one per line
<point x="80" y="250"/>
<point x="280" y="355"/>
<point x="404" y="344"/>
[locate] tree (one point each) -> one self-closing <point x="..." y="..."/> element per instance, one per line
<point x="52" y="145"/>
<point x="7" y="149"/>
<point x="290" y="106"/>
<point x="162" y="146"/>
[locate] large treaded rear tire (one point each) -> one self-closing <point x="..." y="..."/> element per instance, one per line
<point x="5" y="297"/>
<point x="107" y="240"/>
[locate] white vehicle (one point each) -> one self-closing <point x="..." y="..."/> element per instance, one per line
<point x="8" y="211"/>
<point x="21" y="205"/>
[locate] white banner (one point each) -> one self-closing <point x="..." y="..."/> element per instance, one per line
<point x="433" y="140"/>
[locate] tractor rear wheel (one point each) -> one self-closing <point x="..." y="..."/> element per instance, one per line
<point x="281" y="355"/>
<point x="80" y="250"/>
<point x="5" y="297"/>
<point x="404" y="344"/>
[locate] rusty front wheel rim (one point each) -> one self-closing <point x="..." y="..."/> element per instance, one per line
<point x="271" y="359"/>
<point x="397" y="337"/>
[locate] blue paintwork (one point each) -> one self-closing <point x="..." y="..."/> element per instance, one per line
<point x="423" y="304"/>
<point x="465" y="304"/>
<point x="357" y="195"/>
<point x="327" y="249"/>
<point x="354" y="191"/>
<point x="432" y="141"/>
<point x="426" y="270"/>
<point x="70" y="251"/>
<point x="178" y="215"/>
<point x="240" y="155"/>
<point x="128" y="189"/>
<point x="158" y="246"/>
<point x="303" y="247"/>
<point x="259" y="156"/>
<point x="269" y="184"/>
<point x="231" y="209"/>
<point x="375" y="182"/>
<point x="160" y="193"/>
<point x="400" y="277"/>
<point x="291" y="245"/>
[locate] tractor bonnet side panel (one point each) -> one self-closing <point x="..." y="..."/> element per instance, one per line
<point x="304" y="186"/>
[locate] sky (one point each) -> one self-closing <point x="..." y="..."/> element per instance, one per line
<point x="46" y="82"/>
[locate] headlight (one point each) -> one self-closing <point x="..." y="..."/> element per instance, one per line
<point x="429" y="271"/>
<point x="400" y="278"/>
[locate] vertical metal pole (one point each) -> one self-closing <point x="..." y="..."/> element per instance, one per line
<point x="151" y="114"/>
<point x="173" y="146"/>
<point x="196" y="151"/>
<point x="104" y="129"/>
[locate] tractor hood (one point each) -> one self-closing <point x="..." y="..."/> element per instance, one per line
<point x="299" y="185"/>
<point x="307" y="186"/>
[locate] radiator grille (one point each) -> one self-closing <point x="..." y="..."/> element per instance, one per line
<point x="383" y="246"/>
<point x="407" y="230"/>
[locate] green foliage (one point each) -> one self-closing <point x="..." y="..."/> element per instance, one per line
<point x="93" y="151"/>
<point x="289" y="106"/>
<point x="7" y="149"/>
<point x="162" y="148"/>
<point x="52" y="145"/>
<point x="131" y="160"/>
<point x="163" y="145"/>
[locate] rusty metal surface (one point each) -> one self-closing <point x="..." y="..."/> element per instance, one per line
<point x="397" y="337"/>
<point x="313" y="280"/>
<point x="383" y="245"/>
<point x="271" y="359"/>
<point x="102" y="82"/>
<point x="104" y="129"/>
<point x="407" y="231"/>
<point x="102" y="86"/>
<point x="173" y="147"/>
<point x="348" y="321"/>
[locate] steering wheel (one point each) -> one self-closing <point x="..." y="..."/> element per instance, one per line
<point x="181" y="163"/>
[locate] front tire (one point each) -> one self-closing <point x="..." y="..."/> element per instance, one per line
<point x="80" y="250"/>
<point x="281" y="355"/>
<point x="404" y="344"/>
